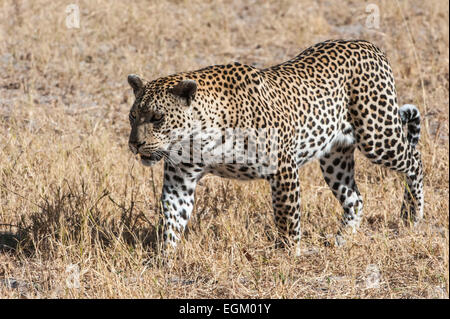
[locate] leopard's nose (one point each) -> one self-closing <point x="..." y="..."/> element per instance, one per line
<point x="134" y="146"/>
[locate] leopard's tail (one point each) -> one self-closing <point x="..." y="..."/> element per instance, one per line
<point x="410" y="116"/>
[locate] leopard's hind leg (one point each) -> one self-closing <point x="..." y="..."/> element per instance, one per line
<point x="388" y="145"/>
<point x="338" y="169"/>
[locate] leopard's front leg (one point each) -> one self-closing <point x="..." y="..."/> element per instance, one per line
<point x="177" y="200"/>
<point x="285" y="187"/>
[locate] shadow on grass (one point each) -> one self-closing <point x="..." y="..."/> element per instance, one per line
<point x="10" y="236"/>
<point x="70" y="217"/>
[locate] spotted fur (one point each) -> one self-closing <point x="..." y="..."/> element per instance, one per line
<point x="333" y="98"/>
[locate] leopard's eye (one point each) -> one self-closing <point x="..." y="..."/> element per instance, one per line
<point x="157" y="118"/>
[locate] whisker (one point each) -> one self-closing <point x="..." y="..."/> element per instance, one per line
<point x="166" y="156"/>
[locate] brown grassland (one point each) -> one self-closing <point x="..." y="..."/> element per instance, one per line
<point x="72" y="196"/>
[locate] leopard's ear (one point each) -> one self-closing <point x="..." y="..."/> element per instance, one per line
<point x="135" y="83"/>
<point x="185" y="89"/>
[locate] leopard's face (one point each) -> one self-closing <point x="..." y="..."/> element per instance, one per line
<point x="148" y="135"/>
<point x="157" y="112"/>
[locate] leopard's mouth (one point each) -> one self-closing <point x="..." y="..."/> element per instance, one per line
<point x="150" y="160"/>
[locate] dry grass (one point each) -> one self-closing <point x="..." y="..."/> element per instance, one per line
<point x="79" y="197"/>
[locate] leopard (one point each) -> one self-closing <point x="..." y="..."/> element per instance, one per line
<point x="333" y="98"/>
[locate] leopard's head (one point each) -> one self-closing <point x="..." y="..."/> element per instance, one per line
<point x="160" y="108"/>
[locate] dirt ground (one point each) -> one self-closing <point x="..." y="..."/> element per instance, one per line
<point x="77" y="210"/>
